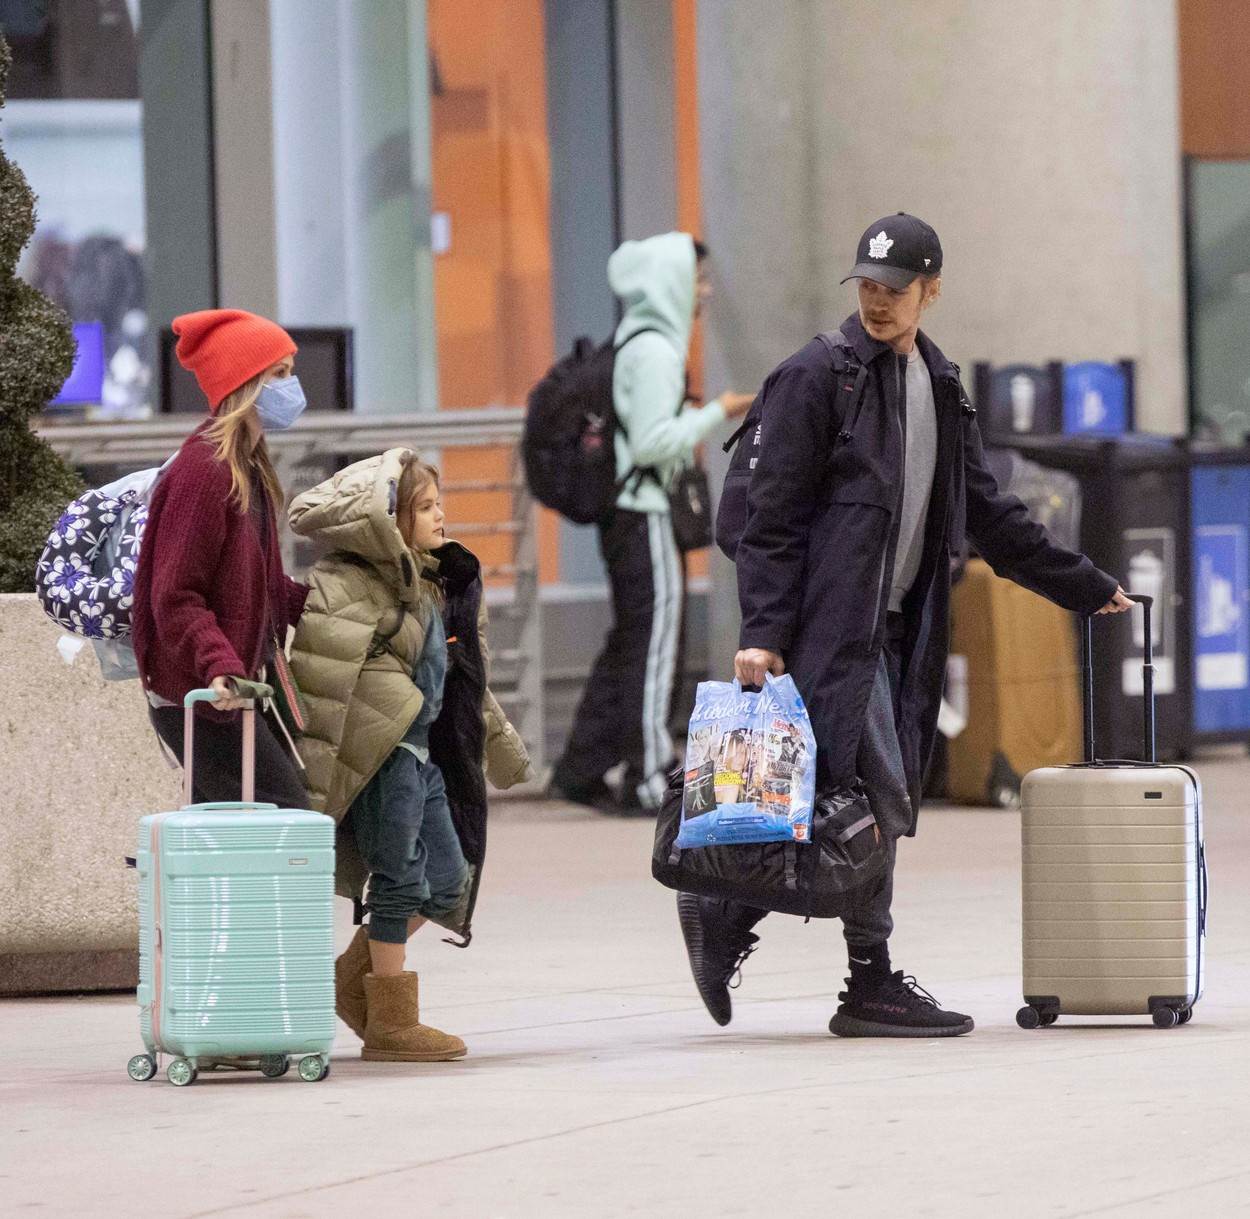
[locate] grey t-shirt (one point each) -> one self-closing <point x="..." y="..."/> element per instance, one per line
<point x="919" y="463"/>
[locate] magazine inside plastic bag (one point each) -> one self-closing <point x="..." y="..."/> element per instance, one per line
<point x="750" y="766"/>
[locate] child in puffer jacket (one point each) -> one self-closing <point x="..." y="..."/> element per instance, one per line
<point x="391" y="657"/>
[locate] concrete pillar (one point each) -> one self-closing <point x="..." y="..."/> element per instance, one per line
<point x="351" y="106"/>
<point x="386" y="100"/>
<point x="1040" y="138"/>
<point x="177" y="158"/>
<point x="585" y="203"/>
<point x="310" y="195"/>
<point x="243" y="155"/>
<point x="756" y="136"/>
<point x="646" y="142"/>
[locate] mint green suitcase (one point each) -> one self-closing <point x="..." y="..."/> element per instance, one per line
<point x="236" y="933"/>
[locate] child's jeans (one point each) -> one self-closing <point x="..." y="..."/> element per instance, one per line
<point x="405" y="834"/>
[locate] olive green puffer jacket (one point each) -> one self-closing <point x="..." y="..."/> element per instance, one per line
<point x="359" y="638"/>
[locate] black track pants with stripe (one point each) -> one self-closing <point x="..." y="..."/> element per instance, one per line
<point x="624" y="711"/>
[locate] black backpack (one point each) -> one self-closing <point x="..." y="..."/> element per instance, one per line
<point x="731" y="518"/>
<point x="569" y="441"/>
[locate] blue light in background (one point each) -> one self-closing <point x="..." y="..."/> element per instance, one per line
<point x="85" y="383"/>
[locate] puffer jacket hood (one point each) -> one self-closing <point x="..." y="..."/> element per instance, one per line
<point x="655" y="280"/>
<point x="354" y="512"/>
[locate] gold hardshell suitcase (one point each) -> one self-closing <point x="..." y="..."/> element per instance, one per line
<point x="1114" y="882"/>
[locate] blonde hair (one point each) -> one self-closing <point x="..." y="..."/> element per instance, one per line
<point x="230" y="433"/>
<point x="417" y="476"/>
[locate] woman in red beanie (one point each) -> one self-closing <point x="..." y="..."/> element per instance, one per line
<point x="211" y="600"/>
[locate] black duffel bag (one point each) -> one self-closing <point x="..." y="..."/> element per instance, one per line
<point x="820" y="879"/>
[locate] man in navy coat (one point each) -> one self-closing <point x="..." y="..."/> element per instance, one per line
<point x="844" y="581"/>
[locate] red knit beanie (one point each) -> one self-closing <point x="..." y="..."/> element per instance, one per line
<point x="227" y="347"/>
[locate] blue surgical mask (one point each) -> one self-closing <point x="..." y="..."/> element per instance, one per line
<point x="280" y="404"/>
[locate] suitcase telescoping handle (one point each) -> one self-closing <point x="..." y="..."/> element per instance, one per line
<point x="1148" y="682"/>
<point x="249" y="743"/>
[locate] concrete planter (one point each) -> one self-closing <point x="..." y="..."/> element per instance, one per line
<point x="79" y="764"/>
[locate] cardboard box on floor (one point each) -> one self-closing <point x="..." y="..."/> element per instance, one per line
<point x="1024" y="703"/>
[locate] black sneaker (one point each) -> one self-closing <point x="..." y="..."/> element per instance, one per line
<point x="894" y="1006"/>
<point x="716" y="960"/>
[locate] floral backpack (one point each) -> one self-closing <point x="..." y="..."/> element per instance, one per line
<point x="86" y="574"/>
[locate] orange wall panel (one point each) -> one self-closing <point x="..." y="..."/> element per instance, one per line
<point x="1215" y="77"/>
<point x="493" y="294"/>
<point x="491" y="171"/>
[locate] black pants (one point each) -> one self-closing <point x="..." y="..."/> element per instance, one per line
<point x="624" y="711"/>
<point x="218" y="762"/>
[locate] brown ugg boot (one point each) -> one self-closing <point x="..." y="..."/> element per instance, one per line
<point x="349" y="982"/>
<point x="394" y="1032"/>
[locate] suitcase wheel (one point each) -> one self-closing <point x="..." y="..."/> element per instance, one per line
<point x="274" y="1066"/>
<point x="312" y="1068"/>
<point x="1029" y="1017"/>
<point x="1186" y="1016"/>
<point x="141" y="1067"/>
<point x="181" y="1073"/>
<point x="1167" y="1017"/>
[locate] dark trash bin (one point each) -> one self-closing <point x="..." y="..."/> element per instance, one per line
<point x="1018" y="400"/>
<point x="1135" y="524"/>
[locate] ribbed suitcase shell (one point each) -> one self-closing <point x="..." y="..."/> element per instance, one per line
<point x="236" y="933"/>
<point x="1113" y="889"/>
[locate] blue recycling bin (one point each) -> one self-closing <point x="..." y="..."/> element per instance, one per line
<point x="1220" y="584"/>
<point x="1098" y="398"/>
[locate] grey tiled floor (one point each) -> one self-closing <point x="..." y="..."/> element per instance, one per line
<point x="597" y="1086"/>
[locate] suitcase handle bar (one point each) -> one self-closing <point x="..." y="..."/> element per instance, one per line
<point x="1148" y="683"/>
<point x="249" y="740"/>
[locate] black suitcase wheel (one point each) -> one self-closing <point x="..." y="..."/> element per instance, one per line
<point x="1029" y="1018"/>
<point x="1049" y="1018"/>
<point x="1166" y="1017"/>
<point x="1186" y="1016"/>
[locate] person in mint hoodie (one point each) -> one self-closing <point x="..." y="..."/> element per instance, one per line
<point x="623" y="715"/>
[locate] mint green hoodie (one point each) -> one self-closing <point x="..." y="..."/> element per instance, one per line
<point x="655" y="280"/>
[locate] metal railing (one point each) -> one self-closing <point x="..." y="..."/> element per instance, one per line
<point x="319" y="443"/>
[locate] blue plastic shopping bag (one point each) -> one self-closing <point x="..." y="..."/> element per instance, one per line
<point x="750" y="766"/>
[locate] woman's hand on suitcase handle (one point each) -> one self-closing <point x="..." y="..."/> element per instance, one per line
<point x="226" y="700"/>
<point x="752" y="665"/>
<point x="1118" y="604"/>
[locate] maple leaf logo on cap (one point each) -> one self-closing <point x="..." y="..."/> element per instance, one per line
<point x="879" y="246"/>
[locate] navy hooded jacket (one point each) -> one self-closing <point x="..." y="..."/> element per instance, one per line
<point x="821" y="530"/>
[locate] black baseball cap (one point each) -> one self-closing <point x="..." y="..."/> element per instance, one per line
<point x="894" y="250"/>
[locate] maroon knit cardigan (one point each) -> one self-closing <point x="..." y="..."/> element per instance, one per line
<point x="205" y="589"/>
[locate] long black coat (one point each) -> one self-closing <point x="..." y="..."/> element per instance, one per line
<point x="822" y="528"/>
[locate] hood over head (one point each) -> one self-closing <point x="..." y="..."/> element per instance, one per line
<point x="655" y="279"/>
<point x="355" y="512"/>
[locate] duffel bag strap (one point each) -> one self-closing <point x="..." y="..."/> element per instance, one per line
<point x="791" y="855"/>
